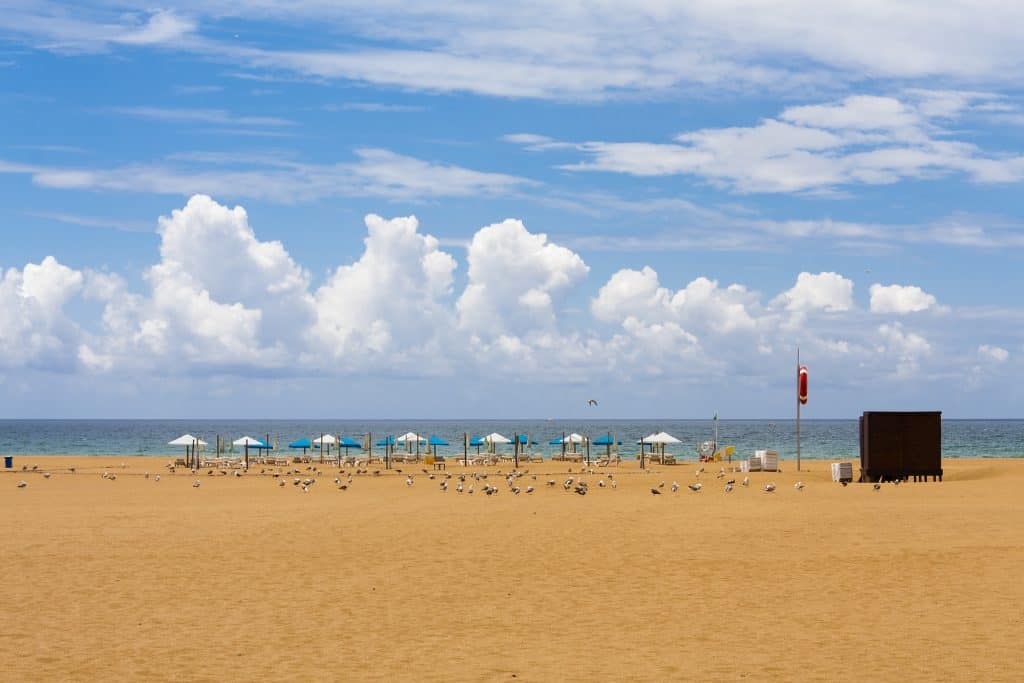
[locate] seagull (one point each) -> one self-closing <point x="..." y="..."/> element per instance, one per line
<point x="695" y="487"/>
<point x="36" y="467"/>
<point x="282" y="483"/>
<point x="529" y="489"/>
<point x="195" y="484"/>
<point x="459" y="487"/>
<point x="600" y="483"/>
<point x="675" y="486"/>
<point x="112" y="477"/>
<point x="728" y="488"/>
<point x="408" y="480"/>
<point x="470" y="489"/>
<point x="568" y="484"/>
<point x="656" y="492"/>
<point x="157" y="477"/>
<point x="444" y="485"/>
<point x="46" y="475"/>
<point x="721" y="473"/>
<point x="768" y="488"/>
<point x="730" y="482"/>
<point x="22" y="484"/>
<point x="146" y="475"/>
<point x="515" y="490"/>
<point x="878" y="486"/>
<point x="104" y="475"/>
<point x="592" y="403"/>
<point x="746" y="481"/>
<point x="661" y="485"/>
<point x="700" y="470"/>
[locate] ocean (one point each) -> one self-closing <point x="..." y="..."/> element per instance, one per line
<point x="820" y="439"/>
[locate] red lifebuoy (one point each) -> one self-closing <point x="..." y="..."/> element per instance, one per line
<point x="801" y="385"/>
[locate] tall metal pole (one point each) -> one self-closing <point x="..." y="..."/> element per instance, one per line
<point x="798" y="409"/>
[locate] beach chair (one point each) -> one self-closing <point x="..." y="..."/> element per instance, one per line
<point x="535" y="457"/>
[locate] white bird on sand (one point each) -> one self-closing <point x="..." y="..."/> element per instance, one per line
<point x="46" y="475"/>
<point x="35" y="467"/>
<point x="695" y="487"/>
<point x="146" y="475"/>
<point x="112" y="477"/>
<point x="721" y="473"/>
<point x="699" y="471"/>
<point x="798" y="486"/>
<point x="746" y="481"/>
<point x="459" y="487"/>
<point x="675" y="486"/>
<point x="529" y="489"/>
<point x="281" y="483"/>
<point x="515" y="490"/>
<point x="728" y="488"/>
<point x="878" y="486"/>
<point x="769" y="487"/>
<point x="22" y="484"/>
<point x="600" y="483"/>
<point x="408" y="480"/>
<point x="615" y="484"/>
<point x="104" y="475"/>
<point x="195" y="484"/>
<point x="157" y="477"/>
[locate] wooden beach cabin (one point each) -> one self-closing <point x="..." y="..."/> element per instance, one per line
<point x="900" y="445"/>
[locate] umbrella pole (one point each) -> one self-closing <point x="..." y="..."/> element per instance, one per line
<point x="515" y="451"/>
<point x="246" y="454"/>
<point x="588" y="452"/>
<point x="465" y="448"/>
<point x="641" y="452"/>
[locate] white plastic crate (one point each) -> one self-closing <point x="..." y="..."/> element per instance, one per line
<point x="842" y="471"/>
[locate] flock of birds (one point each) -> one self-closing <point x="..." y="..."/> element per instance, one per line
<point x="466" y="483"/>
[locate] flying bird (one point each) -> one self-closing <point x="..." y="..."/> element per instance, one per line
<point x="592" y="403"/>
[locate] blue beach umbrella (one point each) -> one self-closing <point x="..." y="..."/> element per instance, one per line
<point x="389" y="441"/>
<point x="349" y="442"/>
<point x="304" y="444"/>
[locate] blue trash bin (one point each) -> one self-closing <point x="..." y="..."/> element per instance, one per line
<point x="8" y="461"/>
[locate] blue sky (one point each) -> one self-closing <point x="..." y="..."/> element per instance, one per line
<point x="205" y="209"/>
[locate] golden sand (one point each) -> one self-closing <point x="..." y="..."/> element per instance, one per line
<point x="241" y="579"/>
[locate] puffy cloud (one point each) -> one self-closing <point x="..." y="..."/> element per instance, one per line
<point x="391" y="302"/>
<point x="702" y="304"/>
<point x="907" y="348"/>
<point x="825" y="291"/>
<point x="34" y="328"/>
<point x="995" y="353"/>
<point x="899" y="299"/>
<point x="514" y="276"/>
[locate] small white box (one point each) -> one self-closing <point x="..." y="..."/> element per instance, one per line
<point x="842" y="471"/>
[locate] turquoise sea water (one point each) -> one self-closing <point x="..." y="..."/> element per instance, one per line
<point x="821" y="439"/>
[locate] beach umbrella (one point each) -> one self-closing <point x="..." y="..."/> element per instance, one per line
<point x="347" y="442"/>
<point x="434" y="441"/>
<point x="325" y="440"/>
<point x="301" y="443"/>
<point x="409" y="438"/>
<point x="569" y="438"/>
<point x="188" y="441"/>
<point x="389" y="441"/>
<point x="607" y="441"/>
<point x="247" y="442"/>
<point x="659" y="438"/>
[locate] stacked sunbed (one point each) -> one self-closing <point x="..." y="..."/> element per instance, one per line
<point x="842" y="471"/>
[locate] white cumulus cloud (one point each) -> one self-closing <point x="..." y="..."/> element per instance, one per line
<point x="899" y="299"/>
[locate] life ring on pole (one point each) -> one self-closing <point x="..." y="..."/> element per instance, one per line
<point x="801" y="385"/>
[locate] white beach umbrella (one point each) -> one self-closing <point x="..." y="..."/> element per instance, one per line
<point x="249" y="441"/>
<point x="410" y="436"/>
<point x="325" y="439"/>
<point x="186" y="440"/>
<point x="571" y="438"/>
<point x="495" y="437"/>
<point x="661" y="438"/>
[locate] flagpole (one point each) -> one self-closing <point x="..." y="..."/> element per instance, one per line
<point x="798" y="409"/>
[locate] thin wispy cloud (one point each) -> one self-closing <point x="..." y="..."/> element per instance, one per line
<point x="194" y="116"/>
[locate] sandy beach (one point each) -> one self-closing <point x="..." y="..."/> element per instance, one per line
<point x="242" y="579"/>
